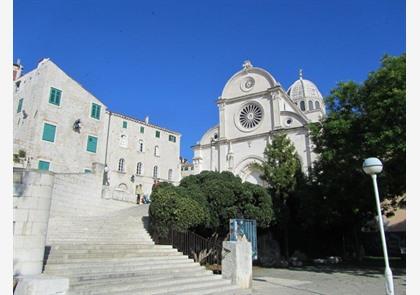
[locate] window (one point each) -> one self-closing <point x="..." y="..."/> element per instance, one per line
<point x="49" y="132"/>
<point x="43" y="165"/>
<point x="311" y="105"/>
<point x="157" y="151"/>
<point x="302" y="105"/>
<point x="95" y="111"/>
<point x="157" y="134"/>
<point x="91" y="144"/>
<point x="155" y="172"/>
<point x="141" y="129"/>
<point x="55" y="96"/>
<point x="123" y="141"/>
<point x="141" y="146"/>
<point x="121" y="164"/>
<point x="170" y="174"/>
<point x="317" y="106"/>
<point x="122" y="187"/>
<point x="172" y="138"/>
<point x="125" y="124"/>
<point x="139" y="169"/>
<point x="19" y="109"/>
<point x="87" y="170"/>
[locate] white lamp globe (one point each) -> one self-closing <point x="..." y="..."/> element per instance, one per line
<point x="106" y="169"/>
<point x="372" y="166"/>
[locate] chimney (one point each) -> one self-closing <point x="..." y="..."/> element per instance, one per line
<point x="17" y="70"/>
<point x="146" y="120"/>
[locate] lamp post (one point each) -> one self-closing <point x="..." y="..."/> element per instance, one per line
<point x="373" y="166"/>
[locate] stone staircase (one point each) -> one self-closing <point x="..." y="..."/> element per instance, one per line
<point x="114" y="254"/>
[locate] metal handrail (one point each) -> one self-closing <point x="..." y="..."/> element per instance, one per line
<point x="206" y="251"/>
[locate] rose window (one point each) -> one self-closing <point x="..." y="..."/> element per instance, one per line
<point x="250" y="115"/>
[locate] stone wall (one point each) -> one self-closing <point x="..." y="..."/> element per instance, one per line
<point x="32" y="193"/>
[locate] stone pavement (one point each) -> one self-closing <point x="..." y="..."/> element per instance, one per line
<point x="324" y="280"/>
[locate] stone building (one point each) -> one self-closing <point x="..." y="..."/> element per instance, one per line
<point x="254" y="106"/>
<point x="61" y="127"/>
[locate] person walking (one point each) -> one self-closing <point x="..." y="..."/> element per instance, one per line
<point x="139" y="193"/>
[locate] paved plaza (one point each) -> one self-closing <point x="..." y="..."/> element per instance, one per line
<point x="324" y="280"/>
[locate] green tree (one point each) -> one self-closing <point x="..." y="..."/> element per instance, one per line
<point x="220" y="196"/>
<point x="364" y="120"/>
<point x="281" y="170"/>
<point x="169" y="209"/>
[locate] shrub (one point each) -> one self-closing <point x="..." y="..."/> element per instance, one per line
<point x="219" y="197"/>
<point x="170" y="210"/>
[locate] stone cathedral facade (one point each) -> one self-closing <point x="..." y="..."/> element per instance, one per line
<point x="252" y="107"/>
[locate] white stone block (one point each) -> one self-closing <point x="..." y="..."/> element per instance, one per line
<point x="32" y="254"/>
<point x="26" y="267"/>
<point x="39" y="215"/>
<point x="237" y="262"/>
<point x="44" y="204"/>
<point x="42" y="285"/>
<point x="28" y="202"/>
<point x="39" y="228"/>
<point x="31" y="177"/>
<point x="47" y="178"/>
<point x="20" y="215"/>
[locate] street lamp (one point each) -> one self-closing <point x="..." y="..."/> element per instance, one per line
<point x="373" y="166"/>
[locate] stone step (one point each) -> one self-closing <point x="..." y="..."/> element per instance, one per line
<point x="133" y="285"/>
<point x="225" y="290"/>
<point x="122" y="260"/>
<point x="144" y="242"/>
<point x="86" y="271"/>
<point x="169" y="260"/>
<point x="157" y="279"/>
<point x="87" y="257"/>
<point x="99" y="235"/>
<point x="107" y="239"/>
<point x="178" y="288"/>
<point x="69" y="252"/>
<point x="108" y="246"/>
<point x="90" y="277"/>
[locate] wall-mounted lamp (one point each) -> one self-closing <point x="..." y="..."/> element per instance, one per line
<point x="77" y="125"/>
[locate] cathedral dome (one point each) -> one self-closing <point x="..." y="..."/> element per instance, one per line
<point x="303" y="88"/>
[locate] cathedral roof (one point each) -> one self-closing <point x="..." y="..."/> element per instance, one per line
<point x="303" y="88"/>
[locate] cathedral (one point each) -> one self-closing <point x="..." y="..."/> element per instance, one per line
<point x="253" y="106"/>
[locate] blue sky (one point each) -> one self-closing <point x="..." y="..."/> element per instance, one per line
<point x="171" y="59"/>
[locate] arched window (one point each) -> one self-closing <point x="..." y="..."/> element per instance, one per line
<point x="157" y="151"/>
<point x="122" y="187"/>
<point x="302" y="105"/>
<point x="155" y="172"/>
<point x="141" y="145"/>
<point x="123" y="140"/>
<point x="317" y="106"/>
<point x="170" y="174"/>
<point x="139" y="170"/>
<point x="121" y="165"/>
<point x="311" y="105"/>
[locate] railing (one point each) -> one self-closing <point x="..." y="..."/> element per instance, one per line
<point x="206" y="251"/>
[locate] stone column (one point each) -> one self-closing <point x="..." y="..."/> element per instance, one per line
<point x="237" y="262"/>
<point x="32" y="193"/>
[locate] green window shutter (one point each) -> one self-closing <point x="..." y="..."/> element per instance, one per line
<point x="55" y="96"/>
<point x="172" y="138"/>
<point x="141" y="129"/>
<point x="157" y="134"/>
<point x="19" y="109"/>
<point x="91" y="144"/>
<point x="49" y="132"/>
<point x="125" y="124"/>
<point x="43" y="165"/>
<point x="95" y="111"/>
